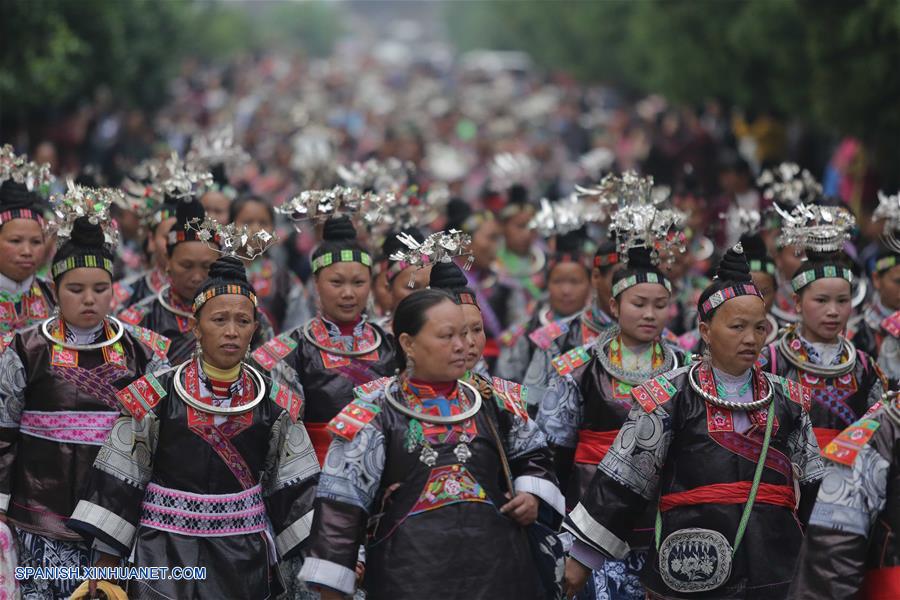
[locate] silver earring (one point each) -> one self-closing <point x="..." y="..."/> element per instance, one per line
<point x="410" y="366"/>
<point x="198" y="351"/>
<point x="706" y="355"/>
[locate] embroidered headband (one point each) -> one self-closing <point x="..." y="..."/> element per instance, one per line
<point x="804" y="278"/>
<point x="567" y="257"/>
<point x="606" y="260"/>
<point x="641" y="277"/>
<point x="21" y="213"/>
<point x="885" y="263"/>
<point x="762" y="266"/>
<point x="466" y="298"/>
<point x="724" y="295"/>
<point x="220" y="290"/>
<point x="338" y="256"/>
<point x="91" y="261"/>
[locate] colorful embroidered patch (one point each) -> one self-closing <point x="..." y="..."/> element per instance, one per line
<point x="287" y="398"/>
<point x="158" y="343"/>
<point x="846" y="446"/>
<point x="544" y="336"/>
<point x="797" y="393"/>
<point x="449" y="485"/>
<point x="653" y="393"/>
<point x="512" y="396"/>
<point x="5" y="340"/>
<point x="371" y="387"/>
<point x="132" y="315"/>
<point x="141" y="396"/>
<point x="274" y="351"/>
<point x="353" y="418"/>
<point x="512" y="335"/>
<point x="891" y="325"/>
<point x="571" y="360"/>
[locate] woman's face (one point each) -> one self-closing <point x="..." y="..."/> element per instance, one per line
<point x="766" y="285"/>
<point x="343" y="289"/>
<point x="224" y="329"/>
<point x="382" y="292"/>
<point x="438" y="352"/>
<point x="255" y="216"/>
<point x="517" y="235"/>
<point x="602" y="284"/>
<point x="736" y="333"/>
<point x="85" y="295"/>
<point x="642" y="312"/>
<point x="156" y="245"/>
<point x="485" y="242"/>
<point x="569" y="288"/>
<point x="21" y="248"/>
<point x="824" y="306"/>
<point x="788" y="259"/>
<point x="217" y="206"/>
<point x="188" y="268"/>
<point x="475" y="338"/>
<point x="399" y="286"/>
<point x="888" y="285"/>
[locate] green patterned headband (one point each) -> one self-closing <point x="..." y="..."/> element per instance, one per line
<point x="885" y="263"/>
<point x="632" y="280"/>
<point x="329" y="258"/>
<point x="762" y="266"/>
<point x="91" y="261"/>
<point x="804" y="278"/>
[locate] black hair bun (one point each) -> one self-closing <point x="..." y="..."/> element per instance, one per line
<point x="86" y="234"/>
<point x="640" y="258"/>
<point x="458" y="210"/>
<point x="517" y="194"/>
<point x="606" y="247"/>
<point x="218" y="174"/>
<point x="447" y="275"/>
<point x="228" y="268"/>
<point x="734" y="266"/>
<point x="754" y="246"/>
<point x="188" y="210"/>
<point x="571" y="242"/>
<point x="835" y="258"/>
<point x="16" y="195"/>
<point x="338" y="229"/>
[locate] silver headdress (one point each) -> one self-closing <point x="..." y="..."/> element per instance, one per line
<point x="643" y="217"/>
<point x="178" y="178"/>
<point x="889" y="210"/>
<point x="314" y="157"/>
<point x="82" y="201"/>
<point x="597" y="162"/>
<point x="509" y="169"/>
<point x="565" y="215"/>
<point x="391" y="175"/>
<point x="217" y="147"/>
<point x="816" y="228"/>
<point x="442" y="246"/>
<point x="21" y="170"/>
<point x="788" y="185"/>
<point x="747" y="221"/>
<point x="318" y="205"/>
<point x="229" y="240"/>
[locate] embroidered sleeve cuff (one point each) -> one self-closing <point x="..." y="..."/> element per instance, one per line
<point x="587" y="555"/>
<point x="100" y="520"/>
<point x="586" y="529"/>
<point x="543" y="489"/>
<point x="4" y="502"/>
<point x="317" y="571"/>
<point x="293" y="535"/>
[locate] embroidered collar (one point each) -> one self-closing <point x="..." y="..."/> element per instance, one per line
<point x="12" y="291"/>
<point x="876" y="312"/>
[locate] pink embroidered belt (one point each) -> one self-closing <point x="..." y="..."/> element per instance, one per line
<point x="69" y="426"/>
<point x="204" y="515"/>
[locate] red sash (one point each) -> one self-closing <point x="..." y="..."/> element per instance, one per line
<point x="320" y="438"/>
<point x="730" y="493"/>
<point x="824" y="436"/>
<point x="593" y="445"/>
<point x="882" y="584"/>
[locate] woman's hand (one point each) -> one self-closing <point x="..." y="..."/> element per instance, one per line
<point x="575" y="577"/>
<point x="360" y="572"/>
<point x="523" y="508"/>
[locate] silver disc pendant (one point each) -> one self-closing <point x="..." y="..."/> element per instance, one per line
<point x="462" y="453"/>
<point x="428" y="455"/>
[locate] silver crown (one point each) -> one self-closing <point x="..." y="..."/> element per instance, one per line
<point x="565" y="215"/>
<point x="640" y="214"/>
<point x="509" y="169"/>
<point x="816" y="228"/>
<point x="179" y="178"/>
<point x="745" y="220"/>
<point x="319" y="205"/>
<point x="217" y="147"/>
<point x="82" y="201"/>
<point x="231" y="239"/>
<point x="889" y="211"/>
<point x="442" y="246"/>
<point x="788" y="185"/>
<point x="21" y="170"/>
<point x="391" y="175"/>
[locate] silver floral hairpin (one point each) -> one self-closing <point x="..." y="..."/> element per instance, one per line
<point x="18" y="168"/>
<point x="442" y="246"/>
<point x="391" y="175"/>
<point x="318" y="205"/>
<point x="509" y="169"/>
<point x="217" y="147"/>
<point x="231" y="239"/>
<point x="816" y="228"/>
<point x="747" y="221"/>
<point x="565" y="215"/>
<point x="82" y="201"/>
<point x="179" y="178"/>
<point x="787" y="185"/>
